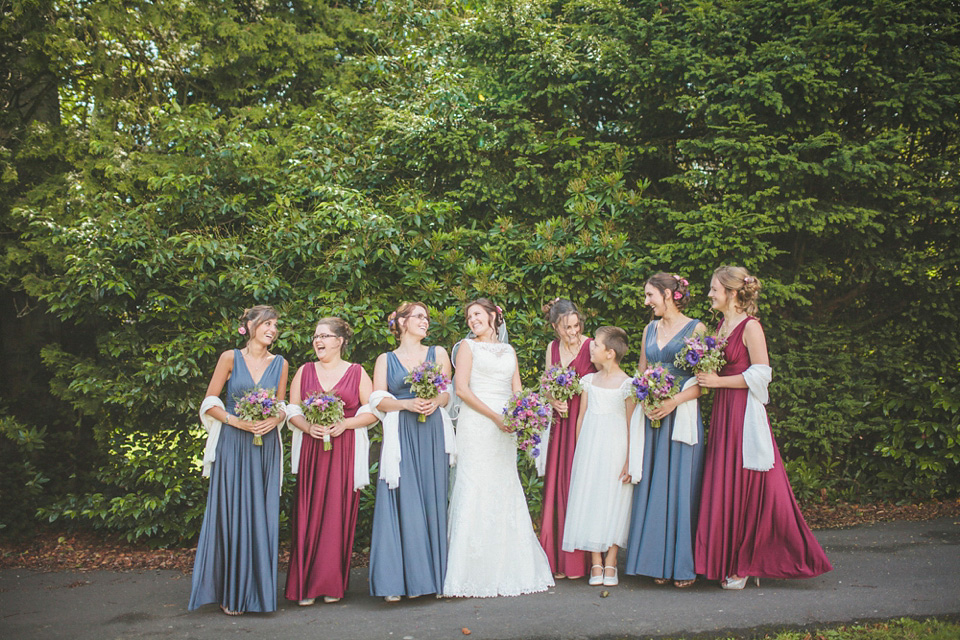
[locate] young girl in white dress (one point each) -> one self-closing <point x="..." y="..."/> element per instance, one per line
<point x="598" y="511"/>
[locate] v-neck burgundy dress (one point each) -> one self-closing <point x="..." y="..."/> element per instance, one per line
<point x="750" y="524"/>
<point x="325" y="517"/>
<point x="556" y="479"/>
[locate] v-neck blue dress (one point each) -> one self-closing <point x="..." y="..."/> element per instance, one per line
<point x="236" y="561"/>
<point x="408" y="545"/>
<point x="666" y="501"/>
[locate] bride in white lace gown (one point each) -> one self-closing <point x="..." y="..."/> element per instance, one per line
<point x="493" y="550"/>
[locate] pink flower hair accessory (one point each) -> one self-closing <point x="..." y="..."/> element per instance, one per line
<point x="677" y="295"/>
<point x="242" y="331"/>
<point x="748" y="279"/>
<point x="499" y="310"/>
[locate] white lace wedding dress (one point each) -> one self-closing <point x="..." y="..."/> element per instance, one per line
<point x="493" y="550"/>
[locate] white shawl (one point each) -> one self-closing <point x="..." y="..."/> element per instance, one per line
<point x="390" y="453"/>
<point x="361" y="447"/>
<point x="684" y="431"/>
<point x="212" y="426"/>
<point x="757" y="436"/>
<point x="540" y="462"/>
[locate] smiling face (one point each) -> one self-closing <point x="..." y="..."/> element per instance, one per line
<point x="654" y="299"/>
<point x="416" y="322"/>
<point x="265" y="332"/>
<point x="479" y="320"/>
<point x="719" y="296"/>
<point x="568" y="329"/>
<point x="326" y="344"/>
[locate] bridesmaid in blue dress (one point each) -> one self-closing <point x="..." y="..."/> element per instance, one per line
<point x="667" y="498"/>
<point x="236" y="561"/>
<point x="408" y="547"/>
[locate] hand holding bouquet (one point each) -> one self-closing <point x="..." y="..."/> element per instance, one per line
<point x="702" y="354"/>
<point x="527" y="414"/>
<point x="256" y="405"/>
<point x="427" y="381"/>
<point x="562" y="383"/>
<point x="325" y="409"/>
<point x="652" y="387"/>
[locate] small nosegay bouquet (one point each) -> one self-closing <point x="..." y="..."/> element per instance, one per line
<point x="702" y="354"/>
<point x="324" y="409"/>
<point x="527" y="414"/>
<point x="255" y="405"/>
<point x="562" y="383"/>
<point x="652" y="387"/>
<point x="427" y="381"/>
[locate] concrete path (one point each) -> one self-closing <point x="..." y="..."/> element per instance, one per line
<point x="881" y="571"/>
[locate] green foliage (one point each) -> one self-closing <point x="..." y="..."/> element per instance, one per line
<point x="22" y="477"/>
<point x="339" y="158"/>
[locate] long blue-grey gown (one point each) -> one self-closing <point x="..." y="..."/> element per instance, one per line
<point x="408" y="547"/>
<point x="663" y="520"/>
<point x="236" y="562"/>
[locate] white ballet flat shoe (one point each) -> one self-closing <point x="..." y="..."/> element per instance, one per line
<point x="392" y="599"/>
<point x="306" y="602"/>
<point x="595" y="581"/>
<point x="330" y="599"/>
<point x="610" y="581"/>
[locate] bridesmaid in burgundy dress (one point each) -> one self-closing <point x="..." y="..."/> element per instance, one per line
<point x="326" y="504"/>
<point x="570" y="349"/>
<point x="750" y="524"/>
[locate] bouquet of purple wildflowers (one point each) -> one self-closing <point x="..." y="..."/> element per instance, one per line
<point x="702" y="354"/>
<point x="652" y="387"/>
<point x="256" y="405"/>
<point x="324" y="409"/>
<point x="562" y="383"/>
<point x="427" y="381"/>
<point x="527" y="414"/>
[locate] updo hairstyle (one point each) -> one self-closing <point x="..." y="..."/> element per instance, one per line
<point x="558" y="309"/>
<point x="671" y="287"/>
<point x="254" y="317"/>
<point x="404" y="311"/>
<point x="745" y="287"/>
<point x="490" y="308"/>
<point x="339" y="328"/>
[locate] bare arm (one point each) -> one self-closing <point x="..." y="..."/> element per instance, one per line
<point x="581" y="413"/>
<point x="756" y="343"/>
<point x="357" y="421"/>
<point x="217" y="382"/>
<point x="630" y="405"/>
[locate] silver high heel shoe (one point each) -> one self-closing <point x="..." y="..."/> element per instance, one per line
<point x="738" y="584"/>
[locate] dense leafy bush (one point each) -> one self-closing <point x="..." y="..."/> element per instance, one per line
<point x="519" y="151"/>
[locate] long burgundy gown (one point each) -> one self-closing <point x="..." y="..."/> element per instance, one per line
<point x="750" y="524"/>
<point x="556" y="479"/>
<point x="325" y="517"/>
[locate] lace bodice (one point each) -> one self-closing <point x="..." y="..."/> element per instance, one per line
<point x="492" y="373"/>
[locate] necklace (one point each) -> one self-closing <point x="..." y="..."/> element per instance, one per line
<point x="258" y="365"/>
<point x="729" y="325"/>
<point x="573" y="352"/>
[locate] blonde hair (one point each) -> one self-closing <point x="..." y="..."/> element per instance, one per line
<point x="745" y="287"/>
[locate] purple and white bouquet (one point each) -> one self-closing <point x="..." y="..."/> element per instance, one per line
<point x="324" y="409"/>
<point x="427" y="381"/>
<point x="256" y="405"/>
<point x="702" y="354"/>
<point x="562" y="383"/>
<point x="652" y="387"/>
<point x="527" y="414"/>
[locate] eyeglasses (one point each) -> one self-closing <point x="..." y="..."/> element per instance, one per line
<point x="323" y="336"/>
<point x="419" y="316"/>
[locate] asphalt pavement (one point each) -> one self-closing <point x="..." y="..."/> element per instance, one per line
<point x="881" y="571"/>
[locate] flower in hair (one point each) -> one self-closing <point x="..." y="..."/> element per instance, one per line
<point x="499" y="310"/>
<point x="242" y="331"/>
<point x="392" y="319"/>
<point x="749" y="279"/>
<point x="681" y="280"/>
<point x="677" y="295"/>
